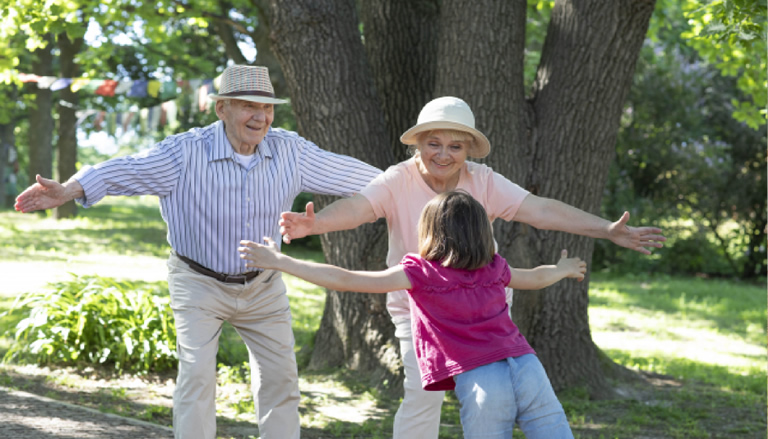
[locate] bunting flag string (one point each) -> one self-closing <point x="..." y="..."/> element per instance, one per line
<point x="143" y="120"/>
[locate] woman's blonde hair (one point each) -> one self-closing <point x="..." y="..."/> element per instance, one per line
<point x="455" y="135"/>
<point x="454" y="229"/>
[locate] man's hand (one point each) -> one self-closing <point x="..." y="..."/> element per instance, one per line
<point x="635" y="238"/>
<point x="571" y="267"/>
<point x="295" y="225"/>
<point x="47" y="194"/>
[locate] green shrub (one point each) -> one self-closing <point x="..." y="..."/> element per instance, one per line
<point x="95" y="320"/>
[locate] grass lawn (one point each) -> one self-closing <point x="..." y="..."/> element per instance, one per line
<point x="699" y="344"/>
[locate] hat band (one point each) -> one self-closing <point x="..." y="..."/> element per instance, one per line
<point x="248" y="93"/>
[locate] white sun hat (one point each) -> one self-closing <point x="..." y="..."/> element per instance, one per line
<point x="248" y="83"/>
<point x="451" y="113"/>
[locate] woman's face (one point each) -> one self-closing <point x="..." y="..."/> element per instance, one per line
<point x="441" y="156"/>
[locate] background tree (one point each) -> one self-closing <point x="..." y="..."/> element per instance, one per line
<point x="558" y="142"/>
<point x="67" y="108"/>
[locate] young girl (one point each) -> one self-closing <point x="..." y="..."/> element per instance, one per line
<point x="463" y="336"/>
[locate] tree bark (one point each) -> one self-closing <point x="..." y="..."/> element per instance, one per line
<point x="584" y="76"/>
<point x="481" y="61"/>
<point x="41" y="118"/>
<point x="401" y="43"/>
<point x="333" y="97"/>
<point x="67" y="142"/>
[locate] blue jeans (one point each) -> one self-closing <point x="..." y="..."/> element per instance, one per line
<point x="495" y="396"/>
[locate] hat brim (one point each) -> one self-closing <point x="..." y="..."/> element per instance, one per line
<point x="482" y="145"/>
<point x="251" y="98"/>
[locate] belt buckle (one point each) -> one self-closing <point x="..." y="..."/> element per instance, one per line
<point x="236" y="279"/>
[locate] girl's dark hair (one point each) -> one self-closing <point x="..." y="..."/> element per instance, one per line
<point x="454" y="229"/>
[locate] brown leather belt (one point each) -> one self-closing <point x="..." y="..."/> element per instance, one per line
<point x="242" y="278"/>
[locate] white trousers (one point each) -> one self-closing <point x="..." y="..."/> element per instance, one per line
<point x="260" y="313"/>
<point x="419" y="414"/>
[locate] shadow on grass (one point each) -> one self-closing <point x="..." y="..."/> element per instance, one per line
<point x="731" y="306"/>
<point x="691" y="400"/>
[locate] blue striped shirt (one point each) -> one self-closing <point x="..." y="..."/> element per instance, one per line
<point x="210" y="201"/>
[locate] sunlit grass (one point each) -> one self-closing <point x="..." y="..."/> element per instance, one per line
<point x="712" y="321"/>
<point x="125" y="226"/>
<point x="705" y="337"/>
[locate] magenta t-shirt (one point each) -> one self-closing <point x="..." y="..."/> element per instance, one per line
<point x="459" y="319"/>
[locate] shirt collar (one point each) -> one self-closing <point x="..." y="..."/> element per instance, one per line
<point x="222" y="149"/>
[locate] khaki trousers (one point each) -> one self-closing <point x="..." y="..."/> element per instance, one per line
<point x="260" y="313"/>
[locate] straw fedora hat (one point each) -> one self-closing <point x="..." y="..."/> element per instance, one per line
<point x="450" y="113"/>
<point x="248" y="83"/>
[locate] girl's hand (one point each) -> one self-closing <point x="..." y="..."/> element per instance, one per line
<point x="259" y="256"/>
<point x="571" y="267"/>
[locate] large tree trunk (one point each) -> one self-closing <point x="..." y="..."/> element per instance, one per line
<point x="67" y="143"/>
<point x="401" y="44"/>
<point x="582" y="82"/>
<point x="481" y="61"/>
<point x="333" y="97"/>
<point x="41" y="118"/>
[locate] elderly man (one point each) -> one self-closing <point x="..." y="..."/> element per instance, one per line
<point x="218" y="185"/>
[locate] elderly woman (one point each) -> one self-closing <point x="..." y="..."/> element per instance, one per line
<point x="443" y="138"/>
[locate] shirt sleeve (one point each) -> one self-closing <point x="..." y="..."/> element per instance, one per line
<point x="152" y="172"/>
<point x="324" y="172"/>
<point x="503" y="197"/>
<point x="379" y="193"/>
<point x="414" y="269"/>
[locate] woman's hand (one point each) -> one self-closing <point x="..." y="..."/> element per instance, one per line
<point x="260" y="256"/>
<point x="571" y="267"/>
<point x="635" y="238"/>
<point x="295" y="225"/>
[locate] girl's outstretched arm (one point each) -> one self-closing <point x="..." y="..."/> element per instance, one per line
<point x="324" y="275"/>
<point x="545" y="275"/>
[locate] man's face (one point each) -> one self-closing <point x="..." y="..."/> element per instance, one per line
<point x="246" y="122"/>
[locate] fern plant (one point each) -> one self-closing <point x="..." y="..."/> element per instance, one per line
<point x="96" y="320"/>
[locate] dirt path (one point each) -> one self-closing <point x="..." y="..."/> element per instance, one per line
<point x="29" y="416"/>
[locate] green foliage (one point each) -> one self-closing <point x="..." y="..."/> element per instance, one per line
<point x="681" y="156"/>
<point x="732" y="35"/>
<point x="94" y="320"/>
<point x="537" y="22"/>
